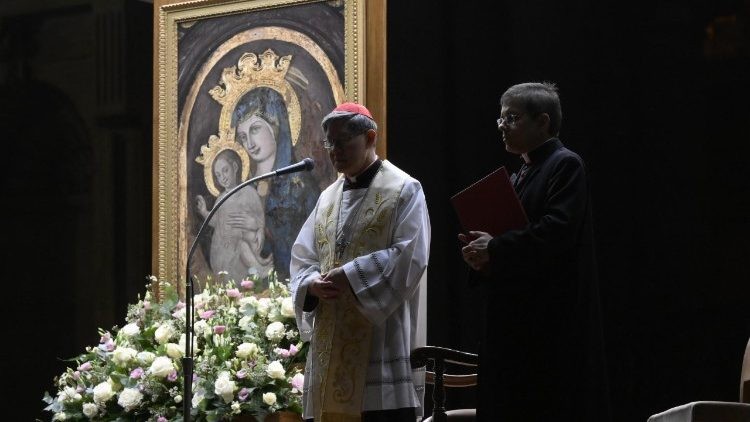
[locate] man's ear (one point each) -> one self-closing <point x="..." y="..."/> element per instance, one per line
<point x="372" y="136"/>
<point x="543" y="121"/>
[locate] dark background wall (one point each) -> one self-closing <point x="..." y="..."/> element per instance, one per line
<point x="654" y="99"/>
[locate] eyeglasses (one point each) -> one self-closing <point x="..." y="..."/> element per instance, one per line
<point x="341" y="142"/>
<point x="509" y="120"/>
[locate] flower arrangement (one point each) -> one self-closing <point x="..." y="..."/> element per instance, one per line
<point x="248" y="358"/>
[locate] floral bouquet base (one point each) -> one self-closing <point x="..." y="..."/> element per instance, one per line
<point x="248" y="359"/>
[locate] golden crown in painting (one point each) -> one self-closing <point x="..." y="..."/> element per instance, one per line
<point x="253" y="71"/>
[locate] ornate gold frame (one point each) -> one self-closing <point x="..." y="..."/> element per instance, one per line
<point x="365" y="82"/>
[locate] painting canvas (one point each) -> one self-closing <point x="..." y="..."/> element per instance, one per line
<point x="242" y="89"/>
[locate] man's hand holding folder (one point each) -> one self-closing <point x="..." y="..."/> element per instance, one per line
<point x="487" y="208"/>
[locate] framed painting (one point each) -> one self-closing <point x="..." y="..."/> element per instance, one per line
<point x="240" y="90"/>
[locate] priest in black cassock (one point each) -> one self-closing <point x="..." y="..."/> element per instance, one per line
<point x="542" y="355"/>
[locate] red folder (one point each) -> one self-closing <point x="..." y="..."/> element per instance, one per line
<point x="490" y="205"/>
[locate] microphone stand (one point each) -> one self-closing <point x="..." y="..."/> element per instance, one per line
<point x="187" y="360"/>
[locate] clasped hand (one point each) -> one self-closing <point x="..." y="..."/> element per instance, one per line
<point x="475" y="252"/>
<point x="330" y="285"/>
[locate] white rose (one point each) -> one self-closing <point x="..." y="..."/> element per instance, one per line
<point x="130" y="398"/>
<point x="103" y="392"/>
<point x="224" y="387"/>
<point x="235" y="407"/>
<point x="60" y="416"/>
<point x="131" y="330"/>
<point x="247" y="350"/>
<point x="269" y="398"/>
<point x="263" y="306"/>
<point x="164" y="333"/>
<point x="174" y="350"/>
<point x="123" y="355"/>
<point x="161" y="367"/>
<point x="90" y="410"/>
<point x="178" y="399"/>
<point x="275" y="370"/>
<point x="145" y="358"/>
<point x="287" y="307"/>
<point x="275" y="331"/>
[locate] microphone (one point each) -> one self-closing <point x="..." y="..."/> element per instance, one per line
<point x="187" y="361"/>
<point x="305" y="165"/>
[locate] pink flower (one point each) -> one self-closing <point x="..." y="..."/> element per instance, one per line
<point x="136" y="373"/>
<point x="86" y="366"/>
<point x="105" y="338"/>
<point x="247" y="284"/>
<point x="293" y="350"/>
<point x="242" y="373"/>
<point x="242" y="395"/>
<point x="219" y="329"/>
<point x="76" y="375"/>
<point x="235" y="293"/>
<point x="146" y="305"/>
<point x="298" y="381"/>
<point x="108" y="346"/>
<point x="172" y="377"/>
<point x="281" y="352"/>
<point x="161" y="419"/>
<point x="179" y="305"/>
<point x="207" y="314"/>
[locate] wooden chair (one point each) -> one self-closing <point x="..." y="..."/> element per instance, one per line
<point x="714" y="411"/>
<point x="439" y="357"/>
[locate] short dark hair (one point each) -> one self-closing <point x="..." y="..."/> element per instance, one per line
<point x="537" y="98"/>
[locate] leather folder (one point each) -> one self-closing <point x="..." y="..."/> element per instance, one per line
<point x="490" y="205"/>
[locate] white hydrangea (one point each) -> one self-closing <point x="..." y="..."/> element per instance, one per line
<point x="90" y="410"/>
<point x="130" y="398"/>
<point x="275" y="331"/>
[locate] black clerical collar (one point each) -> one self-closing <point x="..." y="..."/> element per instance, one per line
<point x="540" y="153"/>
<point x="363" y="179"/>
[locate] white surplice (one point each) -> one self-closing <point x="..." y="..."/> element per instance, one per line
<point x="390" y="287"/>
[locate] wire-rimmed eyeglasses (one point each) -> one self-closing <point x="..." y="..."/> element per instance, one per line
<point x="330" y="144"/>
<point x="509" y="120"/>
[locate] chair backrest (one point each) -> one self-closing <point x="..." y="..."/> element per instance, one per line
<point x="439" y="356"/>
<point x="745" y="377"/>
